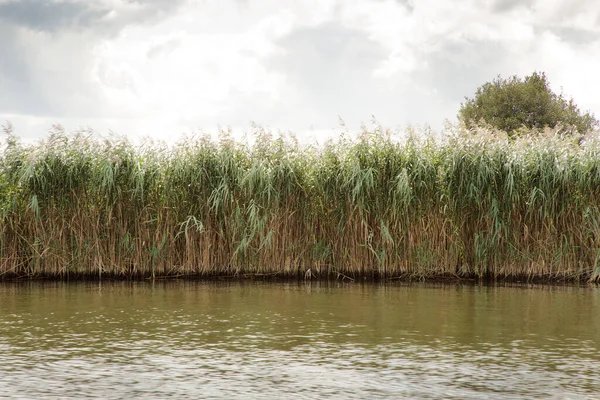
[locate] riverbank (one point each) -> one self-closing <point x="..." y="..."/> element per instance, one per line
<point x="468" y="206"/>
<point x="329" y="278"/>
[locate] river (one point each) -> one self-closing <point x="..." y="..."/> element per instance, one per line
<point x="189" y="339"/>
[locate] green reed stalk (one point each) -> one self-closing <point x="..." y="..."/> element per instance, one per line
<point x="473" y="204"/>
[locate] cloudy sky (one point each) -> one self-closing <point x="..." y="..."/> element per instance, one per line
<point x="164" y="67"/>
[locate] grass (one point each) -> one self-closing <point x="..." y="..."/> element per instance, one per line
<point x="473" y="204"/>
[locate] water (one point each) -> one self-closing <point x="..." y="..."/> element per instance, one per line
<point x="272" y="340"/>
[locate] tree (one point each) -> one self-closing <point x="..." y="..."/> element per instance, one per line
<point x="510" y="104"/>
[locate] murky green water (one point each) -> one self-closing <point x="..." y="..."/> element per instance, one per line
<point x="267" y="340"/>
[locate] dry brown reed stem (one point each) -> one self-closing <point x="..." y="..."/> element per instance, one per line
<point x="474" y="204"/>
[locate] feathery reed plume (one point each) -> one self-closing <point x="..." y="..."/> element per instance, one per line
<point x="473" y="205"/>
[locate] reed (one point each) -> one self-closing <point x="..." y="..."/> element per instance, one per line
<point x="473" y="204"/>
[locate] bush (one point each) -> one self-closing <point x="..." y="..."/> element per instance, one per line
<point x="511" y="104"/>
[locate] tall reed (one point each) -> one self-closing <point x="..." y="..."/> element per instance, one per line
<point x="473" y="204"/>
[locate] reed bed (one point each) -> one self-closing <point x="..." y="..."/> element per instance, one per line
<point x="473" y="204"/>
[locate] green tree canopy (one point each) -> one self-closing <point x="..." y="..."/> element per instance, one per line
<point x="509" y="104"/>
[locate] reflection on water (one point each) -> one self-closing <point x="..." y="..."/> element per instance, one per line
<point x="272" y="340"/>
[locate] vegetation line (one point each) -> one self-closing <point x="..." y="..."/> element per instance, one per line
<point x="474" y="204"/>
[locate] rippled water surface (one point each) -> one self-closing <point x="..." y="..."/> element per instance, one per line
<point x="272" y="340"/>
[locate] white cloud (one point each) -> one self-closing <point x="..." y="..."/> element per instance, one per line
<point x="164" y="67"/>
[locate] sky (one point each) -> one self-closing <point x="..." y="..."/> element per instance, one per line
<point x="162" y="68"/>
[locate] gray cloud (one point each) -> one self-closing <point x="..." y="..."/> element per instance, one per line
<point x="150" y="11"/>
<point x="408" y="4"/>
<point x="52" y="16"/>
<point x="576" y="35"/>
<point x="163" y="48"/>
<point x="28" y="87"/>
<point x="49" y="15"/>
<point x="457" y="68"/>
<point x="451" y="73"/>
<point x="329" y="68"/>
<point x="509" y="5"/>
<point x="18" y="90"/>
